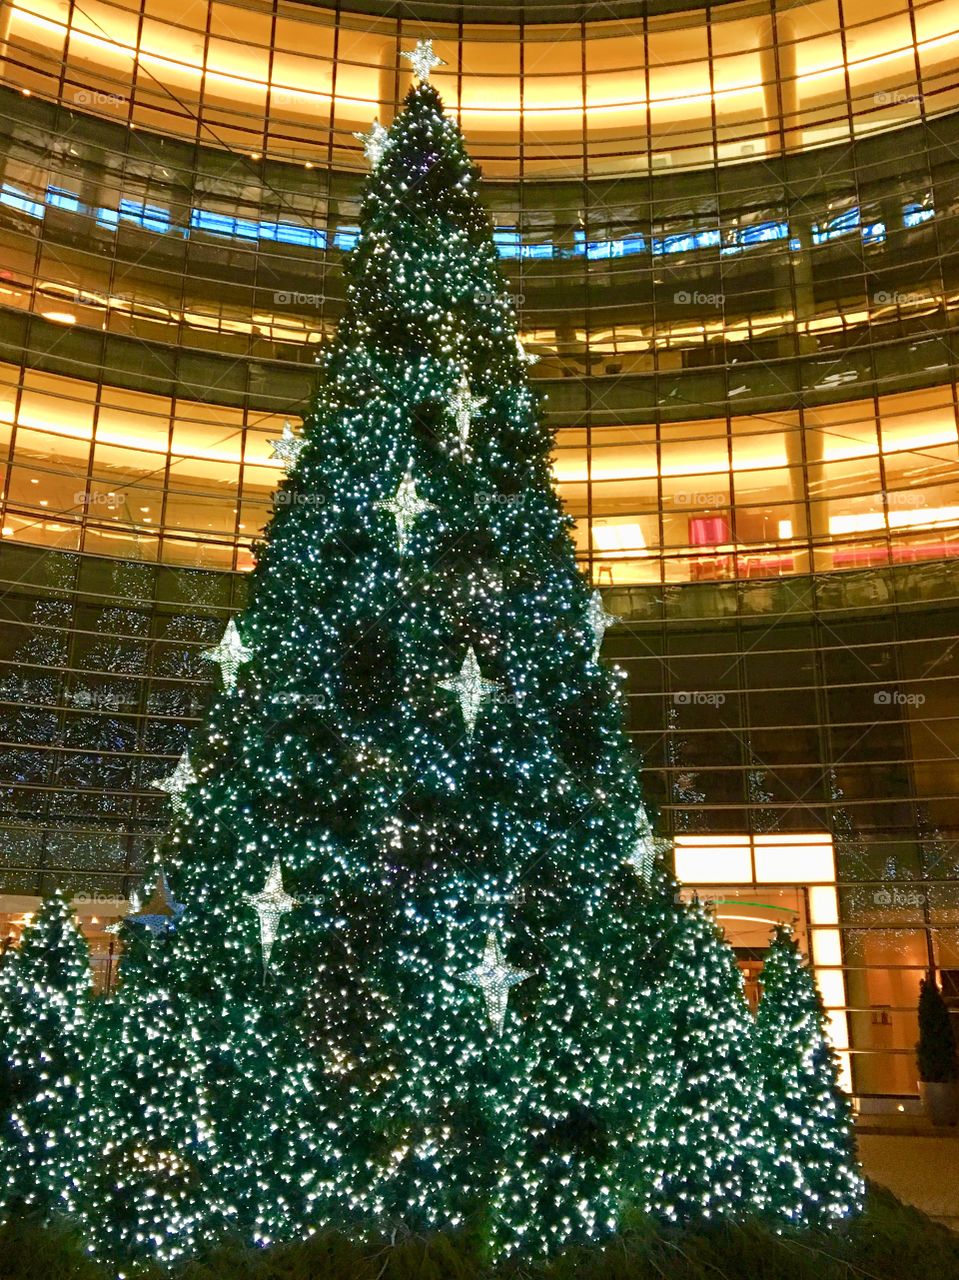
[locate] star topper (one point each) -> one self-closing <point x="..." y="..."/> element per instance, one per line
<point x="177" y="782"/>
<point x="287" y="448"/>
<point x="374" y="143"/>
<point x="423" y="60"/>
<point x="464" y="406"/>
<point x="230" y="653"/>
<point x="599" y="620"/>
<point x="405" y="505"/>
<point x="270" y="904"/>
<point x="471" y="689"/>
<point x="494" y="977"/>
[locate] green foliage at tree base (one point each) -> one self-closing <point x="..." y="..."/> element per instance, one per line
<point x="890" y="1241"/>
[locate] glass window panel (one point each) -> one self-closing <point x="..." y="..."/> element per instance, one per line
<point x="135" y="420"/>
<point x="62" y="406"/>
<point x="208" y="431"/>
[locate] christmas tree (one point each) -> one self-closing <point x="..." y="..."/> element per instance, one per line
<point x="702" y="1134"/>
<point x="809" y="1171"/>
<point x="423" y="964"/>
<point x="44" y="1069"/>
<point x="150" y="1184"/>
<point x="416" y="724"/>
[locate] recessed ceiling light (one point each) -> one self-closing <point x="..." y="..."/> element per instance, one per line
<point x="7" y="530"/>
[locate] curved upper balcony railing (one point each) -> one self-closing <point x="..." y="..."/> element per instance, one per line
<point x="852" y="485"/>
<point x="653" y="278"/>
<point x="678" y="91"/>
<point x="541" y="12"/>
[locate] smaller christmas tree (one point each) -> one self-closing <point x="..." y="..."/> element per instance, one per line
<point x="44" y="1109"/>
<point x="809" y="1172"/>
<point x="149" y="1184"/>
<point x="700" y="1136"/>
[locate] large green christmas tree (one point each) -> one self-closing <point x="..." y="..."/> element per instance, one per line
<point x="420" y="731"/>
<point x="426" y="970"/>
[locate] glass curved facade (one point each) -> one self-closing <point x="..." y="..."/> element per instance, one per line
<point x="861" y="484"/>
<point x="677" y="90"/>
<point x="729" y="234"/>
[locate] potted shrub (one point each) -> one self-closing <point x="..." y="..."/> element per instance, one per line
<point x="936" y="1056"/>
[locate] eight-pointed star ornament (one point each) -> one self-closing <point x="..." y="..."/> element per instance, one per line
<point x="270" y="904"/>
<point x="527" y="357"/>
<point x="464" y="406"/>
<point x="159" y="913"/>
<point x="471" y="689"/>
<point x="230" y="653"/>
<point x="374" y="143"/>
<point x="495" y="977"/>
<point x="405" y="505"/>
<point x="599" y="620"/>
<point x="642" y="856"/>
<point x="287" y="448"/>
<point x="176" y="783"/>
